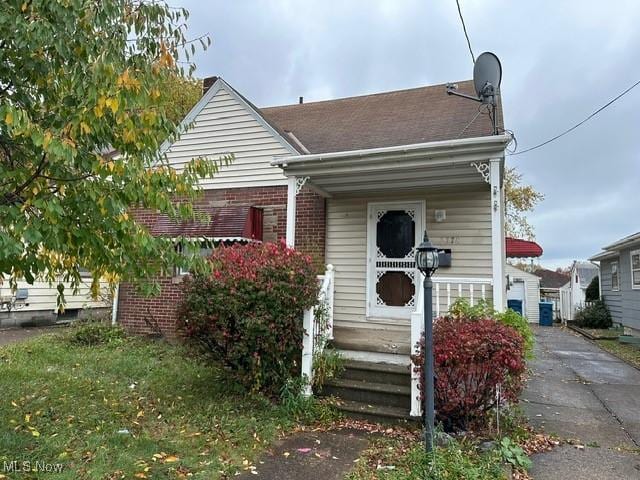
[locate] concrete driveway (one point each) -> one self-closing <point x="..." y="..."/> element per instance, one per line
<point x="581" y="393"/>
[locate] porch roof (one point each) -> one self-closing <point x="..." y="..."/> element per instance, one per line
<point x="440" y="163"/>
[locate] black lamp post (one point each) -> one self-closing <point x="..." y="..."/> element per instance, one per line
<point x="427" y="261"/>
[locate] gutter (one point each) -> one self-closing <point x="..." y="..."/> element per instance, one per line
<point x="499" y="141"/>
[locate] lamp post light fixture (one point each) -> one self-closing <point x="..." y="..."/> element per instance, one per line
<point x="427" y="261"/>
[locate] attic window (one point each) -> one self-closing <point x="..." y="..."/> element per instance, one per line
<point x="615" y="278"/>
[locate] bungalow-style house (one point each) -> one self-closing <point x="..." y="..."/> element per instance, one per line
<point x="573" y="293"/>
<point x="620" y="280"/>
<point x="354" y="182"/>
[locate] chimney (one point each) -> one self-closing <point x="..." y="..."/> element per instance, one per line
<point x="207" y="83"/>
<point x="301" y="100"/>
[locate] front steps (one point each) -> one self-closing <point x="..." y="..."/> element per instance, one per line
<point x="372" y="391"/>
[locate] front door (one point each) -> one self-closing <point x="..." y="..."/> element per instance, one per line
<point x="394" y="230"/>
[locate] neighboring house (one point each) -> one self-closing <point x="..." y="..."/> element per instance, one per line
<point x="550" y="284"/>
<point x="354" y="182"/>
<point x="524" y="286"/>
<point x="573" y="293"/>
<point x="620" y="279"/>
<point x="37" y="303"/>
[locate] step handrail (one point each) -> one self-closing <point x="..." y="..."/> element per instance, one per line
<point x="316" y="335"/>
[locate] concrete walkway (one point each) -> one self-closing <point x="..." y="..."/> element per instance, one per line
<point x="585" y="395"/>
<point x="18" y="334"/>
<point x="310" y="455"/>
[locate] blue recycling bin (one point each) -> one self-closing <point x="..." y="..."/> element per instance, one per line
<point x="546" y="314"/>
<point x="515" y="305"/>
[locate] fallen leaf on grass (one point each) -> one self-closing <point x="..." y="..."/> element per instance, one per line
<point x="304" y="450"/>
<point x="171" y="459"/>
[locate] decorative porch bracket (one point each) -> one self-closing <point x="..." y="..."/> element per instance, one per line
<point x="294" y="186"/>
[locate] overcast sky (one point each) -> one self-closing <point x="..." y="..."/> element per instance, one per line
<point x="561" y="60"/>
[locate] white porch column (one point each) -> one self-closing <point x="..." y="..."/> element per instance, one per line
<point x="291" y="211"/>
<point x="497" y="234"/>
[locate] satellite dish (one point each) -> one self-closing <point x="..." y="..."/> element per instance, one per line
<point x="487" y="74"/>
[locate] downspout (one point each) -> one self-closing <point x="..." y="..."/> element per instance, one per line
<point x="114" y="307"/>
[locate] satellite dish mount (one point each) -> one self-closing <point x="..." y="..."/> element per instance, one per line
<point x="487" y="75"/>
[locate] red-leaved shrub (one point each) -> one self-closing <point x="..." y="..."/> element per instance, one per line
<point x="248" y="312"/>
<point x="472" y="357"/>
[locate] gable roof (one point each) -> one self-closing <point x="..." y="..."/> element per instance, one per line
<point x="213" y="85"/>
<point x="517" y="248"/>
<point x="403" y="117"/>
<point x="551" y="278"/>
<point x="613" y="249"/>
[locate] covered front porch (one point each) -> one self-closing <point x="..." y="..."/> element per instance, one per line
<point x="379" y="202"/>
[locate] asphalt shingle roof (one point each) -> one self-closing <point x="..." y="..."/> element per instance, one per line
<point x="402" y="117"/>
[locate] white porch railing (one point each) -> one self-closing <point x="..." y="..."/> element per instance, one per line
<point x="446" y="290"/>
<point x="316" y="332"/>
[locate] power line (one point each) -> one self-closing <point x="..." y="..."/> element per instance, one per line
<point x="464" y="28"/>
<point x="579" y="123"/>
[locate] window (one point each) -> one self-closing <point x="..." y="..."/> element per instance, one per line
<point x="615" y="278"/>
<point x="205" y="249"/>
<point x="635" y="269"/>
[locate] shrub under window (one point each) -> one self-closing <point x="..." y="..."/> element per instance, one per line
<point x="248" y="312"/>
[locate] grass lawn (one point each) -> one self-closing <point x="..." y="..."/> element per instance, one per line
<point x="403" y="459"/>
<point x="629" y="353"/>
<point x="130" y="409"/>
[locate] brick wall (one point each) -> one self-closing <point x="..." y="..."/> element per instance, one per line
<point x="133" y="309"/>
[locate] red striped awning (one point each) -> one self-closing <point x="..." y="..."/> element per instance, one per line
<point x="517" y="248"/>
<point x="225" y="223"/>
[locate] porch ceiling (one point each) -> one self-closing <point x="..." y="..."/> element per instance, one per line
<point x="436" y="164"/>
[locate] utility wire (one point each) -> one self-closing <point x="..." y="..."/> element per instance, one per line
<point x="579" y="123"/>
<point x="464" y="28"/>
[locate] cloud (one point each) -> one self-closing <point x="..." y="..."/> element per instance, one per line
<point x="561" y="60"/>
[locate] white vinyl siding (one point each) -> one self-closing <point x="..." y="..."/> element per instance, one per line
<point x="466" y="231"/>
<point x="531" y="291"/>
<point x="42" y="297"/>
<point x="223" y="126"/>
<point x="635" y="269"/>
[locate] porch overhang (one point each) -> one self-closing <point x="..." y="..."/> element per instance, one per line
<point x="433" y="164"/>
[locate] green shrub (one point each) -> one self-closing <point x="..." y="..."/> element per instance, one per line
<point x="327" y="364"/>
<point x="595" y="315"/>
<point x="95" y="333"/>
<point x="592" y="293"/>
<point x="515" y="320"/>
<point x="247" y="313"/>
<point x="513" y="454"/>
<point x="462" y="309"/>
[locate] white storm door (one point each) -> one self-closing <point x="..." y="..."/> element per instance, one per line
<point x="394" y="230"/>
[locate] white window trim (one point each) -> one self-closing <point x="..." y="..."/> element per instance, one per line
<point x="617" y="264"/>
<point x="631" y="254"/>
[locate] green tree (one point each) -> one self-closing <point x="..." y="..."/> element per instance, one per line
<point x="181" y="94"/>
<point x="520" y="199"/>
<point x="78" y="79"/>
<point x="592" y="293"/>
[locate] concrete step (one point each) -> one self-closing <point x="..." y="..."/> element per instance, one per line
<point x="377" y="372"/>
<point x="389" y="340"/>
<point x="375" y="413"/>
<point x="370" y="393"/>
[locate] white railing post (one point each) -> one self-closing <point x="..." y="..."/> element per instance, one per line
<point x="330" y="274"/>
<point x="291" y="212"/>
<point x="307" y="350"/>
<point x="417" y="327"/>
<point x="471" y="294"/>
